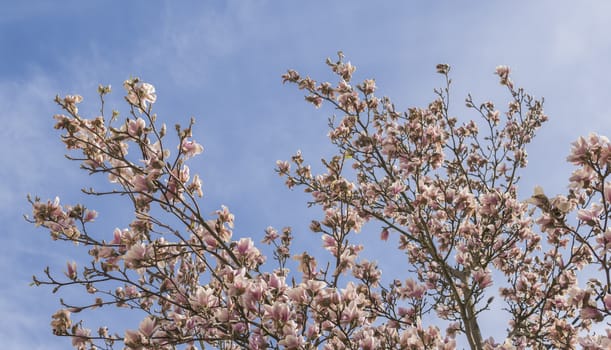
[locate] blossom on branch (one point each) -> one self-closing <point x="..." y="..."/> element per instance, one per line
<point x="443" y="190"/>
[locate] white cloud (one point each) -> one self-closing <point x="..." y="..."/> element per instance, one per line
<point x="579" y="33"/>
<point x="27" y="147"/>
<point x="188" y="39"/>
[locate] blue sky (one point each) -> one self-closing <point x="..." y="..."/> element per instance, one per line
<point x="221" y="62"/>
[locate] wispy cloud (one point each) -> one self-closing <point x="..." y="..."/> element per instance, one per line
<point x="26" y="143"/>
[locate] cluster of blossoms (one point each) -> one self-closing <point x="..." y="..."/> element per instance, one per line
<point x="444" y="189"/>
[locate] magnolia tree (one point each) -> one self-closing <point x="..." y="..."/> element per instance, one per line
<point x="445" y="189"/>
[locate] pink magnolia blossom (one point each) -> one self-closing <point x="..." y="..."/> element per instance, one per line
<point x="140" y="94"/>
<point x="384" y="234"/>
<point x="147" y="327"/>
<point x="71" y="270"/>
<point x="368" y="87"/>
<point x="590" y="216"/>
<point x="61" y="322"/>
<point x="81" y="340"/>
<point x="135" y="128"/>
<point x="607" y="302"/>
<point x="136" y="254"/>
<point x="413" y="290"/>
<point x="191" y="148"/>
<point x="90" y="215"/>
<point x="482" y="278"/>
<point x="70" y="102"/>
<point x="503" y="73"/>
<point x="589" y="312"/>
